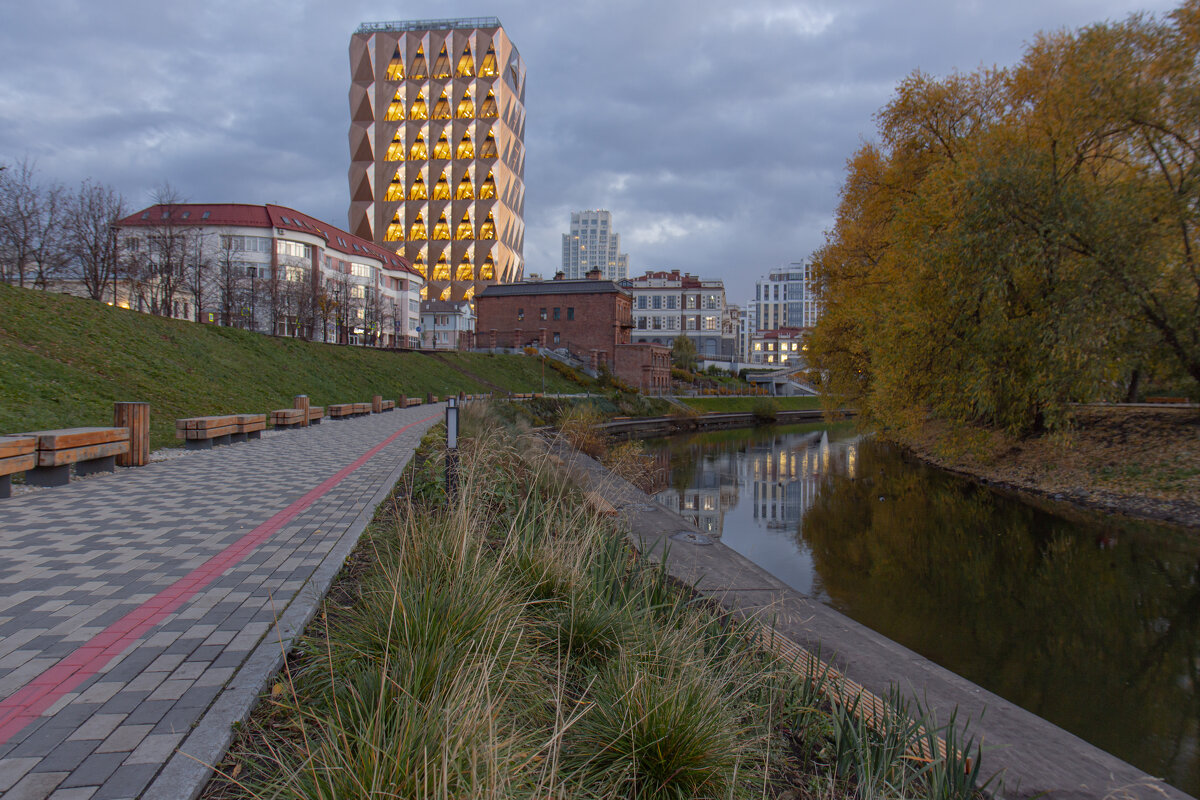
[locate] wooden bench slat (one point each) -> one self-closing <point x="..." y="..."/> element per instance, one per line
<point x="17" y="445"/>
<point x="65" y="438"/>
<point x="251" y="427"/>
<point x="242" y="419"/>
<point x="208" y="433"/>
<point x="56" y="458"/>
<point x="18" y="463"/>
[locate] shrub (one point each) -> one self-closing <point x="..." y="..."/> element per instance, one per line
<point x="765" y="410"/>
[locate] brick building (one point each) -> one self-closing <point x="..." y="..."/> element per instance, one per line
<point x="589" y="319"/>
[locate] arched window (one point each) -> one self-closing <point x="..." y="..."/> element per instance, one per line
<point x="465" y="148"/>
<point x="466" y="107"/>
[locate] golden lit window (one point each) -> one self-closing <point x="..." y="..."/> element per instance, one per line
<point x="488" y="229"/>
<point x="395" y="190"/>
<point x="469" y="294"/>
<point x="442" y="231"/>
<point x="395" y="231"/>
<point x="466" y="107"/>
<point x="465" y="148"/>
<point x="420" y="266"/>
<point x="424" y="291"/>
<point x="441" y="67"/>
<point x="395" y="70"/>
<point x="441" y="270"/>
<point x="395" y="151"/>
<point x="417" y="232"/>
<point x="465" y="190"/>
<point x="466" y="270"/>
<point x="396" y="109"/>
<point x="441" y="189"/>
<point x="466" y="64"/>
<point x="419" y="110"/>
<point x="418" y="190"/>
<point x="487" y="189"/>
<point x="442" y="148"/>
<point x="488" y="148"/>
<point x="442" y="109"/>
<point x="465" y="228"/>
<point x="488" y="271"/>
<point x="488" y="110"/>
<point x="419" y="69"/>
<point x="445" y="295"/>
<point x="419" y="151"/>
<point x="488" y="68"/>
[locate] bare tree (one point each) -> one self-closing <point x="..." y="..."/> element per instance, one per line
<point x="91" y="238"/>
<point x="197" y="266"/>
<point x="31" y="247"/>
<point x="231" y="283"/>
<point x="160" y="268"/>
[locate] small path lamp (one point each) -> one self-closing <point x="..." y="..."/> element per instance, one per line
<point x="451" y="448"/>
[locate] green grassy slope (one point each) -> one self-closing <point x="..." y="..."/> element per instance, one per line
<point x="64" y="361"/>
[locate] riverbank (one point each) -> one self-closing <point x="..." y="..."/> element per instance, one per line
<point x="1142" y="462"/>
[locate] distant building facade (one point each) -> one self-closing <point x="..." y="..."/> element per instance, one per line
<point x="447" y="325"/>
<point x="780" y="347"/>
<point x="785" y="299"/>
<point x="668" y="304"/>
<point x="268" y="268"/>
<point x="592" y="244"/>
<point x="437" y="149"/>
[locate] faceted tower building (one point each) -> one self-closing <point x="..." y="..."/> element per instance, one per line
<point x="437" y="149"/>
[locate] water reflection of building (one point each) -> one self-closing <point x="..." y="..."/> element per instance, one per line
<point x="712" y="491"/>
<point x="786" y="473"/>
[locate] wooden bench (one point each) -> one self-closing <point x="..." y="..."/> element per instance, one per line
<point x="17" y="454"/>
<point x="387" y="405"/>
<point x="414" y="401"/>
<point x="202" y="433"/>
<point x="91" y="450"/>
<point x="249" y="426"/>
<point x="284" y="418"/>
<point x="314" y="414"/>
<point x="341" y="410"/>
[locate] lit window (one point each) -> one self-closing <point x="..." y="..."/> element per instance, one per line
<point x="417" y="233"/>
<point x="441" y="109"/>
<point x="488" y="148"/>
<point x="466" y="270"/>
<point x="466" y="108"/>
<point x="395" y="190"/>
<point x="419" y="150"/>
<point x="488" y="271"/>
<point x="466" y="64"/>
<point x="488" y="110"/>
<point x="441" y="189"/>
<point x="419" y="68"/>
<point x="465" y="148"/>
<point x="441" y="270"/>
<point x="488" y="229"/>
<point x="419" y="110"/>
<point x="465" y="229"/>
<point x="441" y="67"/>
<point x="487" y="189"/>
<point x="465" y="190"/>
<point x="442" y="148"/>
<point x="488" y="68"/>
<point x="396" y="109"/>
<point x="395" y="70"/>
<point x="418" y="190"/>
<point x="442" y="231"/>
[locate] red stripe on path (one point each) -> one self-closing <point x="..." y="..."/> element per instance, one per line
<point x="27" y="703"/>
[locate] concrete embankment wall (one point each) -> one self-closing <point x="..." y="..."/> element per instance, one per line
<point x="635" y="428"/>
<point x="1033" y="756"/>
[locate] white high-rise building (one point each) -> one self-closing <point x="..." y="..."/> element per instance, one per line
<point x="784" y="299"/>
<point x="591" y="244"/>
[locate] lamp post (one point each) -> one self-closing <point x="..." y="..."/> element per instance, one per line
<point x="451" y="448"/>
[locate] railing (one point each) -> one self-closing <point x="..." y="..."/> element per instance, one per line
<point x="430" y="24"/>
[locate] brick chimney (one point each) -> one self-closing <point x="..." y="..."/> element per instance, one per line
<point x="594" y="274"/>
<point x="558" y="276"/>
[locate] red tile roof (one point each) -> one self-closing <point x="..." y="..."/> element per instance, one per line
<point x="267" y="217"/>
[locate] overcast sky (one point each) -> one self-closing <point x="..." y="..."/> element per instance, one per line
<point x="715" y="132"/>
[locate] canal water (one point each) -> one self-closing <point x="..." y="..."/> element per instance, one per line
<point x="1088" y="620"/>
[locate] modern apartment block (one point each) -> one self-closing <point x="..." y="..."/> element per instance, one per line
<point x="670" y="304"/>
<point x="592" y="244"/>
<point x="267" y="268"/>
<point x="784" y="299"/>
<point x="437" y="152"/>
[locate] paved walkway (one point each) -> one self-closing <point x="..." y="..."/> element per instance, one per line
<point x="141" y="612"/>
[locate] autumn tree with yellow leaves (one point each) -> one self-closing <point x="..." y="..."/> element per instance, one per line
<point x="1018" y="240"/>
